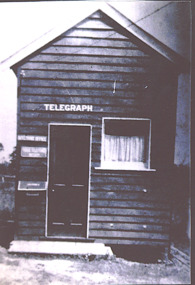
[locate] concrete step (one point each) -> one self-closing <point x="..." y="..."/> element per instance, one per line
<point x="59" y="247"/>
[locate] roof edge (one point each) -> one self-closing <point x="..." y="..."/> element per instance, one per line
<point x="45" y="39"/>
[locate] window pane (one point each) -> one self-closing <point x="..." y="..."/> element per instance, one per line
<point x="126" y="143"/>
<point x="126" y="127"/>
<point x="123" y="148"/>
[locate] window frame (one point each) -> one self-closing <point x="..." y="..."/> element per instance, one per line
<point x="102" y="162"/>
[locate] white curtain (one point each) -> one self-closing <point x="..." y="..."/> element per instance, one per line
<point x="123" y="148"/>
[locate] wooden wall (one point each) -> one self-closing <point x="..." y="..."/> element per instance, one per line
<point x="31" y="212"/>
<point x="97" y="63"/>
<point x="130" y="208"/>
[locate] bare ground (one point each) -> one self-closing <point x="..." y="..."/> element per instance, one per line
<point x="27" y="270"/>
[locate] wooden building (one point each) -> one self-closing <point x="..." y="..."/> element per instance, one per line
<point x="96" y="131"/>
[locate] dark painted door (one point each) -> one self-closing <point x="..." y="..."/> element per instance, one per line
<point x="68" y="180"/>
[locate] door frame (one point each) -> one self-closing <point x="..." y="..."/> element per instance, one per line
<point x="89" y="180"/>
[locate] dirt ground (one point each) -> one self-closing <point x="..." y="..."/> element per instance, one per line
<point x="27" y="270"/>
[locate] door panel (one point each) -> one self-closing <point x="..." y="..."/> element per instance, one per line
<point x="68" y="180"/>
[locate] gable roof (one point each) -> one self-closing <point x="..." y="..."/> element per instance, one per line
<point x="115" y="15"/>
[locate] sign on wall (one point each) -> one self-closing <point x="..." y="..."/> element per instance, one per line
<point x="68" y="107"/>
<point x="53" y="107"/>
<point x="32" y="138"/>
<point x="36" y="152"/>
<point x="32" y="185"/>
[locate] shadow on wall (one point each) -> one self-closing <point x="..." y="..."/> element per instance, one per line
<point x="181" y="203"/>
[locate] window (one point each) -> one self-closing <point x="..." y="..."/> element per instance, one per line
<point x="125" y="143"/>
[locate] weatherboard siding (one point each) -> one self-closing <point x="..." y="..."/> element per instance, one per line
<point x="128" y="206"/>
<point x="95" y="63"/>
<point x="31" y="212"/>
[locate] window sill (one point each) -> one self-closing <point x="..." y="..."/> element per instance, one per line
<point x="125" y="169"/>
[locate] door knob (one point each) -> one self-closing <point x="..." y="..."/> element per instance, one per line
<point x="52" y="190"/>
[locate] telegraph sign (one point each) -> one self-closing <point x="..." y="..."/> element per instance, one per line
<point x="68" y="107"/>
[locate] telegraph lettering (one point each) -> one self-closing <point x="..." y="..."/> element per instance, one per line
<point x="68" y="107"/>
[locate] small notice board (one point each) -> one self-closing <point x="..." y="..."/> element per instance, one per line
<point x="36" y="152"/>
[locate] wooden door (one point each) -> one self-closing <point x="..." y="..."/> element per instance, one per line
<point x="68" y="180"/>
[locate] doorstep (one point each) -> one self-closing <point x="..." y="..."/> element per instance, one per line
<point x="59" y="248"/>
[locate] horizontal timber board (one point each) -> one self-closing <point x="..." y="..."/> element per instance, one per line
<point x="31" y="224"/>
<point x="33" y="162"/>
<point x="42" y="125"/>
<point x="90" y="59"/>
<point x="135" y="186"/>
<point x="31" y="231"/>
<point x="30" y="217"/>
<point x="122" y="179"/>
<point x="114" y="87"/>
<point x="27" y="237"/>
<point x="38" y="169"/>
<point x="28" y="130"/>
<point x="60" y="98"/>
<point x="76" y="91"/>
<point x="78" y="27"/>
<point x="128" y="227"/>
<point x="31" y="203"/>
<point x="129" y="212"/>
<point x="29" y="176"/>
<point x="128" y="204"/>
<point x="29" y="171"/>
<point x="95" y="33"/>
<point x="24" y="199"/>
<point x="145" y="180"/>
<point x="96" y="46"/>
<point x="24" y="140"/>
<point x="118" y="241"/>
<point x="109" y="173"/>
<point x="30" y="127"/>
<point x="130" y="195"/>
<point x="92" y="50"/>
<point x="99" y="183"/>
<point x="96" y="129"/>
<point x="79" y="41"/>
<point x="124" y="234"/>
<point x="135" y="77"/>
<point x="63" y="116"/>
<point x="128" y="186"/>
<point x="34" y="209"/>
<point x="31" y="200"/>
<point x="83" y="67"/>
<point x="120" y="173"/>
<point x="129" y="219"/>
<point x="76" y="100"/>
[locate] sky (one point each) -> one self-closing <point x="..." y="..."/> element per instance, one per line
<point x="21" y="23"/>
